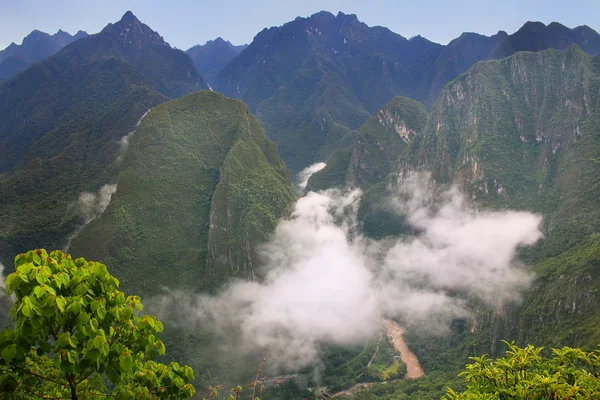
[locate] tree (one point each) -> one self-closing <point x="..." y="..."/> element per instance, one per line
<point x="74" y="330"/>
<point x="525" y="374"/>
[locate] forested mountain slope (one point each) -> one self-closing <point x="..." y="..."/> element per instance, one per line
<point x="200" y="187"/>
<point x="519" y="133"/>
<point x="61" y="122"/>
<point x="314" y="81"/>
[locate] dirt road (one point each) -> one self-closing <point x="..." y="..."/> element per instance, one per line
<point x="413" y="367"/>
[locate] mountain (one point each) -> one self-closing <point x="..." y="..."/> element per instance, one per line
<point x="523" y="132"/>
<point x="380" y="142"/>
<point x="62" y="120"/>
<point x="35" y="47"/>
<point x="210" y="58"/>
<point x="517" y="133"/>
<point x="170" y="71"/>
<point x="535" y="36"/>
<point x="520" y="133"/>
<point x="314" y="81"/>
<point x="199" y="188"/>
<point x="457" y="57"/>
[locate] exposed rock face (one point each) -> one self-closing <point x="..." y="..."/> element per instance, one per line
<point x="522" y="133"/>
<point x="381" y="141"/>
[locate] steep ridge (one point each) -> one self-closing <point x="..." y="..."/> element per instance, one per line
<point x="200" y="187"/>
<point x="380" y="142"/>
<point x="522" y="133"/>
<point x="457" y="57"/>
<point x="210" y="58"/>
<point x="61" y="122"/>
<point x="535" y="36"/>
<point x="170" y="71"/>
<point x="35" y="47"/>
<point x="314" y="81"/>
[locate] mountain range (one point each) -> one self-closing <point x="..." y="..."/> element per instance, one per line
<point x="174" y="167"/>
<point x="314" y="81"/>
<point x="62" y="119"/>
<point x="35" y="47"/>
<point x="213" y="56"/>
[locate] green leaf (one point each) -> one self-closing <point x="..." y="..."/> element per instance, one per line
<point x="9" y="353"/>
<point x="41" y="278"/>
<point x="60" y="303"/>
<point x="12" y="283"/>
<point x="39" y="291"/>
<point x="63" y="340"/>
<point x="83" y="318"/>
<point x="126" y="362"/>
<point x="73" y="341"/>
<point x="26" y="310"/>
<point x="94" y="324"/>
<point x="72" y="356"/>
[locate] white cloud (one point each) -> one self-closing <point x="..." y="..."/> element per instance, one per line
<point x="323" y="283"/>
<point x="307" y="172"/>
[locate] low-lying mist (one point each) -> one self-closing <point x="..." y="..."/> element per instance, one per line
<point x="307" y="172"/>
<point x="90" y="206"/>
<point x="323" y="282"/>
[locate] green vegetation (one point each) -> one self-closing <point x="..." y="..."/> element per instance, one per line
<point x="61" y="121"/>
<point x="524" y="373"/>
<point x="314" y="81"/>
<point x="199" y="188"/>
<point x="522" y="133"/>
<point x="519" y="133"/>
<point x="381" y="140"/>
<point x="70" y="141"/>
<point x="73" y="329"/>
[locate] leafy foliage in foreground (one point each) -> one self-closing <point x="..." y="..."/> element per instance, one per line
<point x="524" y="373"/>
<point x="73" y="327"/>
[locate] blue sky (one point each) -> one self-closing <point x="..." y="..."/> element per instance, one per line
<point x="184" y="23"/>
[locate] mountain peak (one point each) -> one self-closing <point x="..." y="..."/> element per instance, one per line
<point x="129" y="18"/>
<point x="132" y="33"/>
<point x="532" y="26"/>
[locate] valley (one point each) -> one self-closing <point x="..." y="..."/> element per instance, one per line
<point x="352" y="212"/>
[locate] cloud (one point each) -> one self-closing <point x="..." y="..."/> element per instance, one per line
<point x="124" y="141"/>
<point x="90" y="206"/>
<point x="307" y="172"/>
<point x="325" y="283"/>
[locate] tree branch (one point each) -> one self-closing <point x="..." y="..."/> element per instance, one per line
<point x="39" y="376"/>
<point x="42" y="397"/>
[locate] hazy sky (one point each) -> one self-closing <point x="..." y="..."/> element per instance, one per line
<point x="184" y="23"/>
